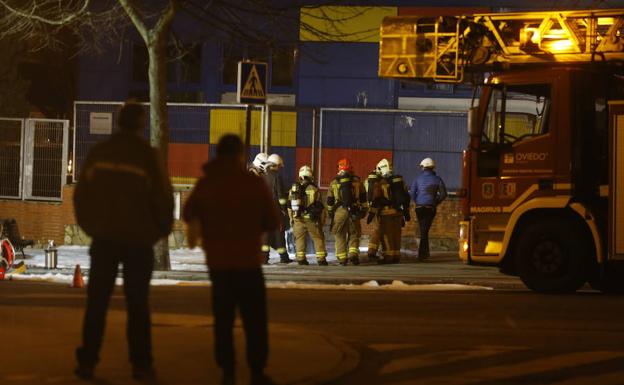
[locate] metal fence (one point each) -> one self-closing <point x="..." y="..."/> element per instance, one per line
<point x="403" y="136"/>
<point x="317" y="137"/>
<point x="194" y="130"/>
<point x="11" y="143"/>
<point x="33" y="158"/>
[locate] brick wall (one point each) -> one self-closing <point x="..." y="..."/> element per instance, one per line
<point x="443" y="234"/>
<point x="43" y="221"/>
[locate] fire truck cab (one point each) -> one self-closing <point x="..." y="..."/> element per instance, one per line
<point x="536" y="175"/>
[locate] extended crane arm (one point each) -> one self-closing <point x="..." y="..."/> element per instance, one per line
<point x="443" y="48"/>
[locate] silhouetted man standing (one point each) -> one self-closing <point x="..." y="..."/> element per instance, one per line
<point x="124" y="201"/>
<point x="234" y="208"/>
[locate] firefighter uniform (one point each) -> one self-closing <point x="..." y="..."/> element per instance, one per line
<point x="276" y="239"/>
<point x="375" y="236"/>
<point x="390" y="204"/>
<point x="346" y="203"/>
<point x="306" y="215"/>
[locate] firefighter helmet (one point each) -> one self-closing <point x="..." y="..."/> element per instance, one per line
<point x="384" y="167"/>
<point x="344" y="164"/>
<point x="260" y="160"/>
<point x="427" y="163"/>
<point x="305" y="172"/>
<point x="276" y="160"/>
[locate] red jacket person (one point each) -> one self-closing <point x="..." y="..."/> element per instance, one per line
<point x="234" y="208"/>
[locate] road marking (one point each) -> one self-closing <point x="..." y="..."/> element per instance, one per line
<point x="502" y="372"/>
<point x="614" y="378"/>
<point x="429" y="359"/>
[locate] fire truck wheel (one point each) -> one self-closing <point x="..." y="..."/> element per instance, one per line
<point x="552" y="257"/>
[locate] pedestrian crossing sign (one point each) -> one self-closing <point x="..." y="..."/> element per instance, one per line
<point x="252" y="82"/>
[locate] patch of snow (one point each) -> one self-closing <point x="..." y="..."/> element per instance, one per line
<point x="370" y="285"/>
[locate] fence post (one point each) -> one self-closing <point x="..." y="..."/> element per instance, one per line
<point x="247" y="130"/>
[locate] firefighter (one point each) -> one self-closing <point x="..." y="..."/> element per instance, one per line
<point x="346" y="204"/>
<point x="306" y="216"/>
<point x="375" y="238"/>
<point x="427" y="191"/>
<point x="276" y="239"/>
<point x="259" y="163"/>
<point x="390" y="205"/>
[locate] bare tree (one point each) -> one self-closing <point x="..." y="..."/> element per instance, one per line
<point x="14" y="88"/>
<point x="40" y="22"/>
<point x="93" y="25"/>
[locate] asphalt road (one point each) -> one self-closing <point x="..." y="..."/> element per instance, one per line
<point x="470" y="337"/>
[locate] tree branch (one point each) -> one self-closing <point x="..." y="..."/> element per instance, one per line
<point x="136" y="19"/>
<point x="59" y="22"/>
<point x="165" y="20"/>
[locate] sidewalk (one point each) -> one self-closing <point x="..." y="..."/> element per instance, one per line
<point x="441" y="268"/>
<point x="40" y="349"/>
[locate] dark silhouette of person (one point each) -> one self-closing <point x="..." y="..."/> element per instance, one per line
<point x="233" y="208"/>
<point x="124" y="201"/>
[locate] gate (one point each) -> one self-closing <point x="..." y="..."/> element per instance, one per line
<point x="33" y="158"/>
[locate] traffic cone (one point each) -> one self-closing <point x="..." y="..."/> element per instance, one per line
<point x="78" y="282"/>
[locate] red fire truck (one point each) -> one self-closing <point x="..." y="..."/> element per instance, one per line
<point x="543" y="186"/>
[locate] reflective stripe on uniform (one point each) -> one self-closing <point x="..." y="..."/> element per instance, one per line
<point x="343" y="180"/>
<point x="322" y="254"/>
<point x="354" y="250"/>
<point x="388" y="211"/>
<point x="392" y="253"/>
<point x="301" y="253"/>
<point x="282" y="201"/>
<point x="281" y="250"/>
<point x="341" y="256"/>
<point x="373" y="246"/>
<point x="266" y="248"/>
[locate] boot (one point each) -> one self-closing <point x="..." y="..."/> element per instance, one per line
<point x="355" y="260"/>
<point x="322" y="262"/>
<point x="343" y="262"/>
<point x="266" y="258"/>
<point x="372" y="257"/>
<point x="284" y="258"/>
<point x="303" y="262"/>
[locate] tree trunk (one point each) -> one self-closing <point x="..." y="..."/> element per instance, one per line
<point x="159" y="132"/>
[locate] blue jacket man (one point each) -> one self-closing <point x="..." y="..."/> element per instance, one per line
<point x="427" y="191"/>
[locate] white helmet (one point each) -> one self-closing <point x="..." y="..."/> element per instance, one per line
<point x="260" y="160"/>
<point x="427" y="163"/>
<point x="305" y="172"/>
<point x="276" y="160"/>
<point x="384" y="167"/>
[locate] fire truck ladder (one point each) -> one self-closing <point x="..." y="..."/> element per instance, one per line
<point x="442" y="48"/>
